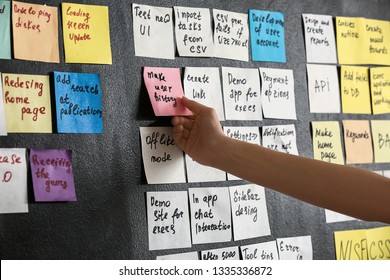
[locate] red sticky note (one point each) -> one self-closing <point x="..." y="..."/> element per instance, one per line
<point x="165" y="91"/>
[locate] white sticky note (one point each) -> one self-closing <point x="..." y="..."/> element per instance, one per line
<point x="249" y="211"/>
<point x="295" y="248"/>
<point x="200" y="173"/>
<point x="231" y="35"/>
<point x="241" y="91"/>
<point x="324" y="88"/>
<point x="223" y="254"/>
<point x="334" y="217"/>
<point x="261" y="251"/>
<point x="153" y="31"/>
<point x="203" y="84"/>
<point x="194" y="35"/>
<point x="386" y="173"/>
<point x="210" y="215"/>
<point x="13" y="181"/>
<point x="319" y="39"/>
<point x="250" y="134"/>
<point x="3" y="127"/>
<point x="277" y="93"/>
<point x="190" y="256"/>
<point x="168" y="220"/>
<point x="281" y="138"/>
<point x="163" y="160"/>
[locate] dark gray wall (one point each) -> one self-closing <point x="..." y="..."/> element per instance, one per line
<point x="109" y="219"/>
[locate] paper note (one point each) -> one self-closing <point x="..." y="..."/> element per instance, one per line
<point x="3" y="126"/>
<point x="327" y="142"/>
<point x="261" y="251"/>
<point x="223" y="254"/>
<point x="319" y="39"/>
<point x="203" y="84"/>
<point x="249" y="211"/>
<point x="52" y="175"/>
<point x="378" y="36"/>
<point x="250" y="134"/>
<point x="210" y="215"/>
<point x="200" y="173"/>
<point x="27" y="103"/>
<point x="5" y="29"/>
<point x="86" y="33"/>
<point x="358" y="142"/>
<point x="153" y="31"/>
<point x="324" y="89"/>
<point x="35" y="32"/>
<point x="241" y="90"/>
<point x="370" y="244"/>
<point x="190" y="256"/>
<point x="163" y="160"/>
<point x="386" y="173"/>
<point x="380" y="89"/>
<point x="352" y="40"/>
<point x="267" y="36"/>
<point x="78" y="102"/>
<point x="194" y="35"/>
<point x="334" y="217"/>
<point x="355" y="90"/>
<point x="277" y="90"/>
<point x="168" y="220"/>
<point x="231" y="35"/>
<point x="381" y="139"/>
<point x="295" y="248"/>
<point x="165" y="91"/>
<point x="281" y="138"/>
<point x="13" y="181"/>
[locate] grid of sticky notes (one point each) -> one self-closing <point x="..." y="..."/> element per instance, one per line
<point x="216" y="215"/>
<point x="26" y="107"/>
<point x="51" y="175"/>
<point x="35" y="32"/>
<point x="201" y="32"/>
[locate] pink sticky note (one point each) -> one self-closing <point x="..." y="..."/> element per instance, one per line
<point x="165" y="91"/>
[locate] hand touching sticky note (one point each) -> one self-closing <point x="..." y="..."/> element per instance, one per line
<point x="165" y="91"/>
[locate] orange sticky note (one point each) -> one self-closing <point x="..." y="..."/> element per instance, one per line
<point x="35" y="32"/>
<point x="380" y="90"/>
<point x="358" y="142"/>
<point x="165" y="91"/>
<point x="27" y="103"/>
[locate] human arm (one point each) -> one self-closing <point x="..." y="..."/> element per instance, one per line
<point x="348" y="190"/>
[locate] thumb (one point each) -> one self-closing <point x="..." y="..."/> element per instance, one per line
<point x="193" y="106"/>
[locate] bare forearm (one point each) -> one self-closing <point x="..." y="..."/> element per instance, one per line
<point x="359" y="193"/>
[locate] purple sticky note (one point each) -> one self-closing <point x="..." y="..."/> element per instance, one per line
<point x="165" y="91"/>
<point x="52" y="175"/>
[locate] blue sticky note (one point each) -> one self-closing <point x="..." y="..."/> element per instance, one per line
<point x="5" y="32"/>
<point x="267" y="36"/>
<point x="78" y="102"/>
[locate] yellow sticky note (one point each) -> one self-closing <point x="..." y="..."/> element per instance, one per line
<point x="380" y="90"/>
<point x="327" y="142"/>
<point x="27" y="103"/>
<point x="351" y="245"/>
<point x="378" y="36"/>
<point x="35" y="32"/>
<point x="358" y="142"/>
<point x="355" y="90"/>
<point x="381" y="139"/>
<point x="352" y="43"/>
<point x="378" y="243"/>
<point x="86" y="34"/>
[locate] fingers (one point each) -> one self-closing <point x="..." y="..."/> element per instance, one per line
<point x="184" y="121"/>
<point x="194" y="106"/>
